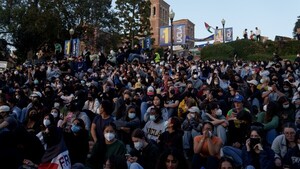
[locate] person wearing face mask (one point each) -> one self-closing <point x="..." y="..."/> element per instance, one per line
<point x="57" y="117"/>
<point x="54" y="144"/>
<point x="33" y="120"/>
<point x="286" y="110"/>
<point x="255" y="153"/>
<point x="102" y="150"/>
<point x="155" y="126"/>
<point x="9" y="122"/>
<point x="197" y="82"/>
<point x="292" y="158"/>
<point x="215" y="116"/>
<point x="121" y="103"/>
<point x="129" y="122"/>
<point x="145" y="152"/>
<point x="77" y="142"/>
<point x="171" y="102"/>
<point x="91" y="104"/>
<point x="191" y="127"/>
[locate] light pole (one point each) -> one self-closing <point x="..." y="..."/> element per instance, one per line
<point x="71" y="32"/>
<point x="171" y="16"/>
<point x="223" y="24"/>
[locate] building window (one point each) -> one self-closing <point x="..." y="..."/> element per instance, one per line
<point x="154" y="11"/>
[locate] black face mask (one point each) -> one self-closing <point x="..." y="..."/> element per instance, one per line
<point x="190" y="89"/>
<point x="127" y="101"/>
<point x="34" y="117"/>
<point x="172" y="91"/>
<point x="254" y="141"/>
<point x="90" y="98"/>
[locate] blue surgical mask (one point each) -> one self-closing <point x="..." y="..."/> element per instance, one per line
<point x="131" y="115"/>
<point x="152" y="117"/>
<point x="75" y="128"/>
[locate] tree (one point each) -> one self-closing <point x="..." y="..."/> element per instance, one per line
<point x="134" y="18"/>
<point x="32" y="23"/>
<point x="297" y="26"/>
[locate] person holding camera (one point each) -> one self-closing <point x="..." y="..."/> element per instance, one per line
<point x="255" y="154"/>
<point x="206" y="148"/>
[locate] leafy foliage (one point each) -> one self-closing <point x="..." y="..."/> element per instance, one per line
<point x="134" y="18"/>
<point x="218" y="51"/>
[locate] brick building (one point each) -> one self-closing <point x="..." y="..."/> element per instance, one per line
<point x="160" y="17"/>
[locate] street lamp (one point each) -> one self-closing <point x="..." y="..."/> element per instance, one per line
<point x="71" y="32"/>
<point x="171" y="16"/>
<point x="223" y="24"/>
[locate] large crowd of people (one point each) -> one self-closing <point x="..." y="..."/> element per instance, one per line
<point x="150" y="112"/>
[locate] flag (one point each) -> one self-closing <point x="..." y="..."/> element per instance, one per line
<point x="208" y="27"/>
<point x="56" y="157"/>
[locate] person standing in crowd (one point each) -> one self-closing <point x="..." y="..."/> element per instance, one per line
<point x="257" y="33"/>
<point x="206" y="148"/>
<point x="245" y="34"/>
<point x="255" y="154"/>
<point x="102" y="119"/>
<point x="283" y="143"/>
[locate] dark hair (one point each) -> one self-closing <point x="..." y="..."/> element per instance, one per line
<point x="81" y="123"/>
<point x="177" y="155"/>
<point x="223" y="159"/>
<point x="211" y="106"/>
<point x="112" y="124"/>
<point x="272" y="109"/>
<point x="139" y="133"/>
<point x="107" y="106"/>
<point x="176" y="123"/>
<point x="209" y="123"/>
<point x="289" y="125"/>
<point x="117" y="162"/>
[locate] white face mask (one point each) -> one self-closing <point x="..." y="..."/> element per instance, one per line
<point x="262" y="81"/>
<point x="46" y="122"/>
<point x="54" y="114"/>
<point x="219" y="112"/>
<point x="285" y="106"/>
<point x="192" y="115"/>
<point x="138" y="145"/>
<point x="265" y="107"/>
<point x="195" y="76"/>
<point x="131" y="115"/>
<point x="109" y="136"/>
<point x="166" y="124"/>
<point x="56" y="105"/>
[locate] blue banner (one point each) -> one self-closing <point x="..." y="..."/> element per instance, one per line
<point x="147" y="42"/>
<point x="165" y="36"/>
<point x="75" y="47"/>
<point x="228" y="34"/>
<point x="179" y="34"/>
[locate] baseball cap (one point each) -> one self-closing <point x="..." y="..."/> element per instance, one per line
<point x="254" y="82"/>
<point x="238" y="98"/>
<point x="4" y="108"/>
<point x="194" y="109"/>
<point x="36" y="94"/>
<point x="150" y="90"/>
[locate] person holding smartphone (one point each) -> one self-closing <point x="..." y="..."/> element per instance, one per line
<point x="255" y="154"/>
